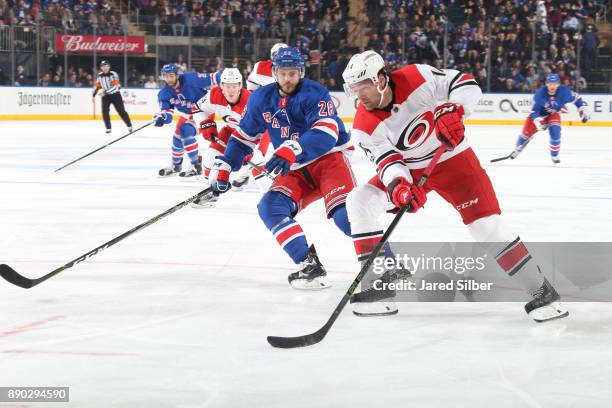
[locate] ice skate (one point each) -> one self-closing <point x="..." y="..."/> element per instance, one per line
<point x="206" y="201"/>
<point x="555" y="159"/>
<point x="194" y="170"/>
<point x="378" y="299"/>
<point x="170" y="170"/>
<point x="312" y="275"/>
<point x="545" y="305"/>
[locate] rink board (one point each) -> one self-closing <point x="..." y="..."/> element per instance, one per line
<point x="35" y="103"/>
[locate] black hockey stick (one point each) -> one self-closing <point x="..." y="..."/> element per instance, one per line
<point x="501" y="158"/>
<point x="314" y="338"/>
<point x="102" y="147"/>
<point x="15" y="278"/>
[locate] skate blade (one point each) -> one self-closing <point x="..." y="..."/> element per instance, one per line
<point x="314" y="284"/>
<point x="549" y="312"/>
<point x="208" y="204"/>
<point x="374" y="309"/>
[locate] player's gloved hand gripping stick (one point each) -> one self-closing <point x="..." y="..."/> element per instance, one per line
<point x="313" y="338"/>
<point x="106" y="145"/>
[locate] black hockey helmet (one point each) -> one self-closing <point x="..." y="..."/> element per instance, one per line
<point x="104" y="62"/>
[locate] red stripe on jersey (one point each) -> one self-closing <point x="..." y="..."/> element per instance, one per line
<point x="463" y="78"/>
<point x="512" y="257"/>
<point x="406" y="81"/>
<point x="390" y="159"/>
<point x="331" y="126"/>
<point x="367" y="121"/>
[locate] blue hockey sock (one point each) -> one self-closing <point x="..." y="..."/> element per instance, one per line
<point x="188" y="136"/>
<point x="341" y="219"/>
<point x="276" y="211"/>
<point x="555" y="140"/>
<point x="177" y="151"/>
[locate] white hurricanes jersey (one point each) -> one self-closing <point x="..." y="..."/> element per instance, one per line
<point x="260" y="76"/>
<point x="214" y="103"/>
<point x="403" y="137"/>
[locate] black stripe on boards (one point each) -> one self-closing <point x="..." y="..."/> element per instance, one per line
<point x="510" y="245"/>
<point x="453" y="82"/>
<point x="367" y="234"/>
<point x="384" y="156"/>
<point x="464" y="84"/>
<point x="519" y="266"/>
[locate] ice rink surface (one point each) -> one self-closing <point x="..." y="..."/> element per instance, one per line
<point x="177" y="314"/>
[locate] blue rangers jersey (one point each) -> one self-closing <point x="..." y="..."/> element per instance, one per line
<point x="307" y="116"/>
<point x="545" y="104"/>
<point x="192" y="87"/>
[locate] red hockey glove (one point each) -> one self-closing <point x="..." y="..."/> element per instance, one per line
<point x="208" y="129"/>
<point x="402" y="192"/>
<point x="448" y="119"/>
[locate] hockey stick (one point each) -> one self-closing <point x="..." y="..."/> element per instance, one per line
<point x="102" y="147"/>
<point x="501" y="158"/>
<point x="314" y="338"/>
<point x="15" y="278"/>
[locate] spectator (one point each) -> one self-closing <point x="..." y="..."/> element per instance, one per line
<point x="589" y="43"/>
<point x="20" y="76"/>
<point x="151" y="83"/>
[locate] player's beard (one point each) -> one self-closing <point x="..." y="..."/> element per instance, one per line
<point x="288" y="88"/>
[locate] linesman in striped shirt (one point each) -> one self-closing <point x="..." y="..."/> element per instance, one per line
<point x="107" y="85"/>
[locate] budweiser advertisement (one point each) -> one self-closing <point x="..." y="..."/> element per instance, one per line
<point x="103" y="44"/>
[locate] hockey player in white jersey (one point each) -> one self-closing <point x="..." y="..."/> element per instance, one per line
<point x="402" y="119"/>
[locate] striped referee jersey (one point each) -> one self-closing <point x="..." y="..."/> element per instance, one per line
<point x="109" y="83"/>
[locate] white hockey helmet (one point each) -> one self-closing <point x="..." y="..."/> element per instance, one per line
<point x="231" y="76"/>
<point x="275" y="49"/>
<point x="362" y="66"/>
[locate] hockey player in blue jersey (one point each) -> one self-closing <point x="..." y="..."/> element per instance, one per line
<point x="548" y="101"/>
<point x="179" y="93"/>
<point x="310" y="143"/>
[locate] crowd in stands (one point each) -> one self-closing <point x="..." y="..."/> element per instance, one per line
<point x="518" y="41"/>
<point x="69" y="16"/>
<point x="525" y="39"/>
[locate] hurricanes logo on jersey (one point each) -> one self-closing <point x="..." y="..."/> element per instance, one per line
<point x="416" y="132"/>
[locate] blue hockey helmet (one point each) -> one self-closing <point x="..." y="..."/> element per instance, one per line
<point x="553" y="78"/>
<point x="289" y="57"/>
<point x="171" y="68"/>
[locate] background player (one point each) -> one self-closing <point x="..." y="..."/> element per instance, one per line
<point x="548" y="101"/>
<point x="309" y="140"/>
<point x="228" y="101"/>
<point x="179" y="93"/>
<point x="107" y="86"/>
<point x="396" y="123"/>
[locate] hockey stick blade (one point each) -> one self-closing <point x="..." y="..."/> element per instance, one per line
<point x="299" y="341"/>
<point x="501" y="158"/>
<point x="11" y="275"/>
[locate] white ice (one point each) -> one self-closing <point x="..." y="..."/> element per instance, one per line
<point x="177" y="314"/>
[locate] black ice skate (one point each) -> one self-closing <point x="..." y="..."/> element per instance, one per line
<point x="312" y="275"/>
<point x="194" y="170"/>
<point x="378" y="299"/>
<point x="545" y="305"/>
<point x="206" y="201"/>
<point x="170" y="171"/>
<point x="240" y="182"/>
<point x="555" y="159"/>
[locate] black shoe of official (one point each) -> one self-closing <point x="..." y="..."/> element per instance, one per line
<point x="545" y="305"/>
<point x="312" y="275"/>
